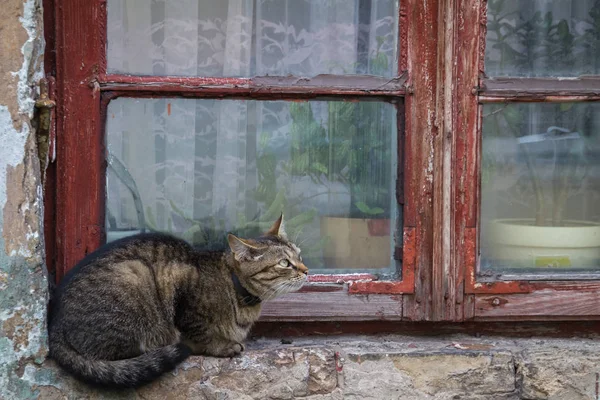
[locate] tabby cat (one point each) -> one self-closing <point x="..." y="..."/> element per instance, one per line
<point x="137" y="307"/>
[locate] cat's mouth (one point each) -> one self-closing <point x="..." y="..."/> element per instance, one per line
<point x="299" y="283"/>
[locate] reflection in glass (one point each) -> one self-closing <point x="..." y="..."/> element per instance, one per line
<point x="201" y="168"/>
<point x="245" y="38"/>
<point x="538" y="38"/>
<point x="540" y="187"/>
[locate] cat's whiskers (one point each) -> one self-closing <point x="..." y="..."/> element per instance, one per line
<point x="270" y="293"/>
<point x="278" y="289"/>
<point x="303" y="242"/>
<point x="298" y="232"/>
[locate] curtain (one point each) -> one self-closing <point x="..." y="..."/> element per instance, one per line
<point x="191" y="159"/>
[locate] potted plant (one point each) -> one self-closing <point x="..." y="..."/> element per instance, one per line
<point x="551" y="168"/>
<point x="353" y="151"/>
<point x="273" y="195"/>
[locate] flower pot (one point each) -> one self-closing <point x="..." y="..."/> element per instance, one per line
<point x="356" y="242"/>
<point x="518" y="243"/>
<point x="379" y="227"/>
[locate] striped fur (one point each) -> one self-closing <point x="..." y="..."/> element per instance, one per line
<point x="137" y="307"/>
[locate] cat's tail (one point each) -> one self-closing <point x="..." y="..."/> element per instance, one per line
<point x="127" y="373"/>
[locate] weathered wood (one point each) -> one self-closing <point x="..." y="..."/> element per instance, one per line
<point x="257" y="87"/>
<point x="443" y="288"/>
<point x="540" y="89"/>
<point x="50" y="181"/>
<point x="556" y="329"/>
<point x="335" y="305"/>
<point x="80" y="157"/>
<point x="480" y="286"/>
<point x="468" y="307"/>
<point x="542" y="304"/>
<point x="421" y="128"/>
<point x="469" y="56"/>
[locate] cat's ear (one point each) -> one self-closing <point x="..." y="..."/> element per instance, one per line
<point x="241" y="248"/>
<point x="278" y="228"/>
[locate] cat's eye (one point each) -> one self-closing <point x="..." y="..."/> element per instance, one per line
<point x="284" y="263"/>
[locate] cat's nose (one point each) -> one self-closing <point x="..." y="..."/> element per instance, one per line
<point x="302" y="268"/>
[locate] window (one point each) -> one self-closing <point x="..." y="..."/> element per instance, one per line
<point x="207" y="117"/>
<point x="539" y="209"/>
<point x="411" y="145"/>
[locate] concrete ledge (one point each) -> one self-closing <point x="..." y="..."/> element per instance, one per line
<point x="389" y="367"/>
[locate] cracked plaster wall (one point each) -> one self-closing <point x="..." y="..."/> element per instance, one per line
<point x="23" y="286"/>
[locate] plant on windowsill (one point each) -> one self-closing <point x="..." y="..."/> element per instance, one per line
<point x="556" y="170"/>
<point x="352" y="153"/>
<point x="274" y="193"/>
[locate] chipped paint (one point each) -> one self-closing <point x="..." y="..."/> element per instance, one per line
<point x="12" y="149"/>
<point x="32" y="50"/>
<point x="23" y="284"/>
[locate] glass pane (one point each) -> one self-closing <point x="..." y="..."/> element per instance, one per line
<point x="245" y="38"/>
<point x="538" y="38"/>
<point x="540" y="187"/>
<point x="202" y="168"/>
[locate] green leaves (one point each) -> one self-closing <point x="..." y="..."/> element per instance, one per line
<point x="364" y="208"/>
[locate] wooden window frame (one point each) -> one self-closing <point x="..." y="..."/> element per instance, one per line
<point x="75" y="191"/>
<point x="569" y="298"/>
<point x="443" y="87"/>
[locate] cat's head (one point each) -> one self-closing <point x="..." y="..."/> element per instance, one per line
<point x="269" y="265"/>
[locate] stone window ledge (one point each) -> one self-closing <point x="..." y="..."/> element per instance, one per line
<point x="386" y="367"/>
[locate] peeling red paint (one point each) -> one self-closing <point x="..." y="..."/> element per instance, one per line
<point x="422" y="31"/>
<point x="406" y="285"/>
<point x="339" y="367"/>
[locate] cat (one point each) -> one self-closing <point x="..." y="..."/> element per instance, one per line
<point x="137" y="307"/>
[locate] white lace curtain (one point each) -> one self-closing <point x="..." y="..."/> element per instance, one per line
<point x="200" y="155"/>
<point x="252" y="37"/>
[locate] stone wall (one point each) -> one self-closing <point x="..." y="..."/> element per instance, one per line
<point x="384" y="367"/>
<point x="355" y="368"/>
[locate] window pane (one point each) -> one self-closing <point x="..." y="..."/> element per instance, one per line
<point x="540" y="186"/>
<point x="202" y="168"/>
<point x="537" y="38"/>
<point x="244" y="38"/>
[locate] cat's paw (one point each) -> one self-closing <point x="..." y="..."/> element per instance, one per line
<point x="221" y="349"/>
<point x="228" y="351"/>
<point x="235" y="349"/>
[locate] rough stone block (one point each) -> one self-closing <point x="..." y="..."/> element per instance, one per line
<point x="427" y="376"/>
<point x="556" y="373"/>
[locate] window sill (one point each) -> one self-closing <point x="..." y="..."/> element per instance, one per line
<point x="376" y="367"/>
